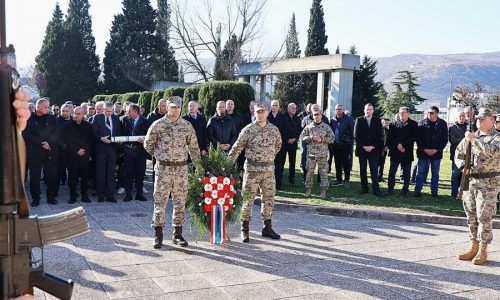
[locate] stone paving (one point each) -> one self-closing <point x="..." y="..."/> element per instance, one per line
<point x="318" y="257"/>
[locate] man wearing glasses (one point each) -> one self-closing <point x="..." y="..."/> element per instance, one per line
<point x="432" y="137"/>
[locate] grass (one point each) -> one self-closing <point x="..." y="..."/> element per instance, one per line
<point x="351" y="197"/>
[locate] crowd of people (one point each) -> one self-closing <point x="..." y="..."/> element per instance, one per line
<point x="73" y="144"/>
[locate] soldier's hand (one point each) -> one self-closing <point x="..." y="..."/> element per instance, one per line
<point x="203" y="152"/>
<point x="21" y="104"/>
<point x="469" y="136"/>
<point x="140" y="140"/>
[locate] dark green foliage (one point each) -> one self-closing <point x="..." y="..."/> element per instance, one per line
<point x="337" y="51"/>
<point x="353" y="50"/>
<point x="174" y="91"/>
<point x="130" y="97"/>
<point x="365" y="87"/>
<point x="217" y="164"/>
<point x="230" y="56"/>
<point x="114" y="98"/>
<point x="316" y="41"/>
<point x="48" y="61"/>
<point x="405" y="94"/>
<point x="130" y="53"/>
<point x="81" y="62"/>
<point x="165" y="65"/>
<point x="212" y="92"/>
<point x="98" y="98"/>
<point x="291" y="88"/>
<point x="145" y="99"/>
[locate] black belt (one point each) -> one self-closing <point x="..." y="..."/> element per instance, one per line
<point x="130" y="146"/>
<point x="259" y="163"/>
<point x="485" y="175"/>
<point x="172" y="163"/>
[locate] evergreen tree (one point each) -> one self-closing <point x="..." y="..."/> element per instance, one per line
<point x="130" y="54"/>
<point x="231" y="55"/>
<point x="49" y="65"/>
<point x="405" y="94"/>
<point x="166" y="66"/>
<point x="291" y="88"/>
<point x="316" y="41"/>
<point x="181" y="74"/>
<point x="337" y="51"/>
<point x="353" y="50"/>
<point x="365" y="87"/>
<point x="219" y="73"/>
<point x="80" y="60"/>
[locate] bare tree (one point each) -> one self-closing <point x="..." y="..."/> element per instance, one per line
<point x="468" y="96"/>
<point x="494" y="102"/>
<point x="198" y="30"/>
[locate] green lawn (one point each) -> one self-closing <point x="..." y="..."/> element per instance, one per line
<point x="340" y="196"/>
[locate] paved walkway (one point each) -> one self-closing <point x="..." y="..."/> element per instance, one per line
<point x="319" y="257"/>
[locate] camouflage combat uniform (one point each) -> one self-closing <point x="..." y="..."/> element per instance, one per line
<point x="168" y="143"/>
<point x="261" y="145"/>
<point x="317" y="152"/>
<point x="484" y="185"/>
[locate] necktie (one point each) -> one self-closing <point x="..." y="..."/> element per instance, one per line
<point x="108" y="124"/>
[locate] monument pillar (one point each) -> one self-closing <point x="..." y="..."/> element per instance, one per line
<point x="340" y="90"/>
<point x="320" y="95"/>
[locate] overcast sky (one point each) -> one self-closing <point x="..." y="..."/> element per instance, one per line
<point x="379" y="28"/>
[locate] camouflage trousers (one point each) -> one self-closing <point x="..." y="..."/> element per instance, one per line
<point x="322" y="163"/>
<point x="252" y="181"/>
<point x="170" y="180"/>
<point x="480" y="207"/>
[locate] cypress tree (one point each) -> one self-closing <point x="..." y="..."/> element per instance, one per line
<point x="291" y="88"/>
<point x="316" y="41"/>
<point x="231" y="55"/>
<point x="81" y="61"/>
<point x="166" y="66"/>
<point x="130" y="54"/>
<point x="48" y="61"/>
<point x="365" y="87"/>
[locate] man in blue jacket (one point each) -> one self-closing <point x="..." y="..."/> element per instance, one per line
<point x="432" y="137"/>
<point x="343" y="128"/>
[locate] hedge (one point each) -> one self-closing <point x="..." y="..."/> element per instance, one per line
<point x="113" y="98"/>
<point x="130" y="97"/>
<point x="190" y="93"/>
<point x="212" y="92"/>
<point x="157" y="95"/>
<point x="174" y="91"/>
<point x="98" y="98"/>
<point x="145" y="99"/>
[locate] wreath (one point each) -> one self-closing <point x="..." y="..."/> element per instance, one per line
<point x="214" y="185"/>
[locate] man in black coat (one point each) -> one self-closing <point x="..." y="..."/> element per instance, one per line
<point x="401" y="141"/>
<point x="276" y="118"/>
<point x="385" y="132"/>
<point x="105" y="126"/>
<point x="456" y="133"/>
<point x="294" y="129"/>
<point x="221" y="129"/>
<point x="432" y="137"/>
<point x="61" y="122"/>
<point x="238" y="121"/>
<point x="343" y="128"/>
<point x="134" y="154"/>
<point x="199" y="123"/>
<point x="42" y="143"/>
<point x="159" y="112"/>
<point x="249" y="117"/>
<point x="369" y="147"/>
<point x="78" y="137"/>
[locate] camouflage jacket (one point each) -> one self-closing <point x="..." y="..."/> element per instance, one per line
<point x="261" y="145"/>
<point x="485" y="152"/>
<point x="170" y="141"/>
<point x="317" y="149"/>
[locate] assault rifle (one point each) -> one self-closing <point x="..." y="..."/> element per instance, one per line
<point x="464" y="183"/>
<point x="20" y="271"/>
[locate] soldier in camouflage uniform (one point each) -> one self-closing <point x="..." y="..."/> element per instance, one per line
<point x="481" y="198"/>
<point x="317" y="135"/>
<point x="261" y="141"/>
<point x="168" y="140"/>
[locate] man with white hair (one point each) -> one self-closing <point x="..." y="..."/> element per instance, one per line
<point x="199" y="123"/>
<point x="42" y="151"/>
<point x="456" y="133"/>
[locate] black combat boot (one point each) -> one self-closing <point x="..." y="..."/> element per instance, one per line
<point x="268" y="231"/>
<point x="158" y="237"/>
<point x="245" y="231"/>
<point x="177" y="237"/>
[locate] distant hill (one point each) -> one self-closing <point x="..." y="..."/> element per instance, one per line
<point x="434" y="71"/>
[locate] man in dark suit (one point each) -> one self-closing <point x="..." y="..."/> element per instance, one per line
<point x="78" y="137"/>
<point x="294" y="129"/>
<point x="401" y="141"/>
<point x="369" y="147"/>
<point x="42" y="145"/>
<point x="199" y="123"/>
<point x="248" y="118"/>
<point x="276" y="118"/>
<point x="105" y="126"/>
<point x="221" y="129"/>
<point x="134" y="154"/>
